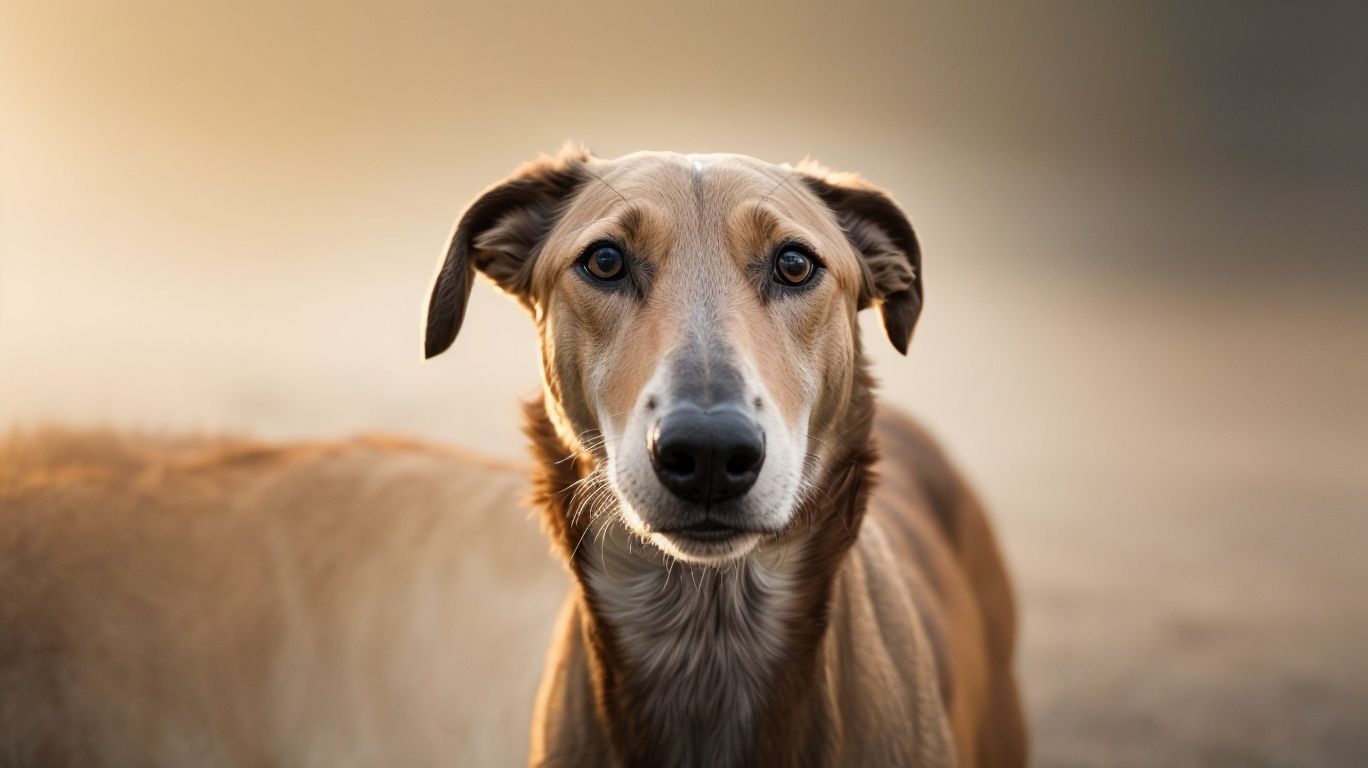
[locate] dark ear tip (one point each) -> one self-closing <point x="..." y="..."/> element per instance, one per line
<point x="446" y="311"/>
<point x="900" y="311"/>
<point x="902" y="339"/>
<point x="437" y="343"/>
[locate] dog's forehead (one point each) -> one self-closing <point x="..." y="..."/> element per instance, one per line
<point x="701" y="189"/>
<point x="697" y="180"/>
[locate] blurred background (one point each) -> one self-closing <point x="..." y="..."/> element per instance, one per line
<point x="1146" y="333"/>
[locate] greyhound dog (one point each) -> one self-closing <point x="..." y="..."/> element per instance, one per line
<point x="768" y="569"/>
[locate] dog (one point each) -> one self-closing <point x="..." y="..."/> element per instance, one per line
<point x="752" y="585"/>
<point x="765" y="569"/>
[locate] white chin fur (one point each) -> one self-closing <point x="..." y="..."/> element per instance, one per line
<point x="706" y="553"/>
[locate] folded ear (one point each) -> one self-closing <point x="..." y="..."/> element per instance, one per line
<point x="500" y="234"/>
<point x="882" y="235"/>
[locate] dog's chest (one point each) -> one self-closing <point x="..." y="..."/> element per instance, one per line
<point x="701" y="648"/>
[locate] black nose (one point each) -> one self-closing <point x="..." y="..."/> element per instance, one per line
<point x="707" y="456"/>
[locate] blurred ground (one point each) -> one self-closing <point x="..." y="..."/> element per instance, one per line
<point x="1144" y="234"/>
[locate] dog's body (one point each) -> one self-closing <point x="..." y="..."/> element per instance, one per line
<point x="750" y="586"/>
<point x="218" y="603"/>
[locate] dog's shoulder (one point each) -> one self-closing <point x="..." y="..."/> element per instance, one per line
<point x="913" y="467"/>
<point x="915" y="478"/>
<point x="924" y="504"/>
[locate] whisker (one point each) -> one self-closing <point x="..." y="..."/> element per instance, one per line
<point x="591" y="501"/>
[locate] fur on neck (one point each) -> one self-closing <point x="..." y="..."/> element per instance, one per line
<point x="697" y="664"/>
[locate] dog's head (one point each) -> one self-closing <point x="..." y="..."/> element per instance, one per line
<point x="697" y="317"/>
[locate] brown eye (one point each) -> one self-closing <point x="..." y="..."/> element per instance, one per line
<point x="605" y="262"/>
<point x="793" y="267"/>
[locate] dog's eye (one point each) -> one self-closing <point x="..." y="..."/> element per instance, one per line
<point x="605" y="262"/>
<point x="794" y="267"/>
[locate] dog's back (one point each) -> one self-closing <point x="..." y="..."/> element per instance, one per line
<point x="218" y="602"/>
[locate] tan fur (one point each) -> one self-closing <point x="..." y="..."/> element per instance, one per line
<point x="177" y="602"/>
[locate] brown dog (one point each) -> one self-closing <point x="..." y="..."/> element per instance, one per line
<point x="745" y="591"/>
<point x="748" y="593"/>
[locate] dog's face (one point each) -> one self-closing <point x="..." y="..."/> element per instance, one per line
<point x="698" y="325"/>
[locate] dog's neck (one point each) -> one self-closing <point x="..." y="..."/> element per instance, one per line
<point x="694" y="664"/>
<point x="693" y="651"/>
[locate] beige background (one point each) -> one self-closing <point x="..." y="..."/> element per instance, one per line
<point x="1144" y="236"/>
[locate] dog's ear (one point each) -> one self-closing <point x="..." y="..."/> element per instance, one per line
<point x="882" y="235"/>
<point x="500" y="234"/>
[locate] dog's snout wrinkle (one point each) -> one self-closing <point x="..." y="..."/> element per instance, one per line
<point x="707" y="455"/>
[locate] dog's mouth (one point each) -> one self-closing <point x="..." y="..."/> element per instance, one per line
<point x="709" y="531"/>
<point x="708" y="540"/>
